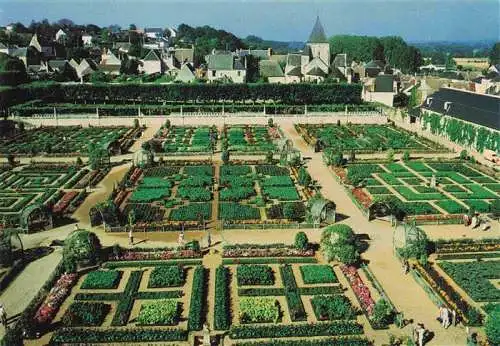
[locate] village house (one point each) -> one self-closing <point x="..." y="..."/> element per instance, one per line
<point x="225" y="67"/>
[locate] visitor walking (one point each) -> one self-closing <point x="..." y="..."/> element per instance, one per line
<point x="180" y="240"/>
<point x="419" y="334"/>
<point x="3" y="316"/>
<point x="130" y="237"/>
<point x="453" y="317"/>
<point x="209" y="240"/>
<point x="446" y="318"/>
<point x="406" y="267"/>
<point x="76" y="227"/>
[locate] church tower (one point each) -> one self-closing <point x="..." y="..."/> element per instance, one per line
<point x="318" y="44"/>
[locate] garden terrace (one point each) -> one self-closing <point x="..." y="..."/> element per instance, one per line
<point x="251" y="139"/>
<point x="167" y="196"/>
<point x="255" y="193"/>
<point x="58" y="189"/>
<point x="167" y="311"/>
<point x="365" y="138"/>
<point x="460" y="187"/>
<point x="69" y="140"/>
<point x="179" y="140"/>
<point x="274" y="300"/>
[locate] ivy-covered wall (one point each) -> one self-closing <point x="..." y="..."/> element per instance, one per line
<point x="461" y="132"/>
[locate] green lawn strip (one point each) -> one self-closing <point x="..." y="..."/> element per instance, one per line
<point x="451" y="206"/>
<point x="478" y="205"/>
<point x="272" y="260"/>
<point x="115" y="335"/>
<point x="295" y="330"/>
<point x="151" y="263"/>
<point x="102" y="279"/>
<point x="318" y="274"/>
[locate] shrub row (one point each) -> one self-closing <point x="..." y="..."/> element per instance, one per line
<point x="261" y="292"/>
<point x="296" y="330"/>
<point x="127" y="300"/>
<point x="340" y="341"/>
<point x="195" y="319"/>
<point x="279" y="260"/>
<point x="476" y="256"/>
<point x="153" y="263"/>
<point x="222" y="313"/>
<point x="295" y="305"/>
<point x="111" y="335"/>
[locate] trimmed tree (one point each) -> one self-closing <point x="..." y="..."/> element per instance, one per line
<point x="304" y="177"/>
<point x="301" y="241"/>
<point x="338" y="242"/>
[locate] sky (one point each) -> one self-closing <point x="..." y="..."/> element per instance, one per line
<point x="290" y="20"/>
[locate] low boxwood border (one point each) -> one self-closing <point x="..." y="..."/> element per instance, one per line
<point x="152" y="263"/>
<point x="222" y="311"/>
<point x="198" y="299"/>
<point x="265" y="260"/>
<point x="336" y="341"/>
<point x="110" y="335"/>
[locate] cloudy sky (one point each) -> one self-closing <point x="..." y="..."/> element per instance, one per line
<point x="414" y="20"/>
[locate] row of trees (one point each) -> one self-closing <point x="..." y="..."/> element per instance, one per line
<point x="391" y="49"/>
<point x="281" y="93"/>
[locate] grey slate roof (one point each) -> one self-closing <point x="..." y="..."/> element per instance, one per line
<point x="384" y="83"/>
<point x="294" y="59"/>
<point x="317" y="33"/>
<point x="476" y="108"/>
<point x="340" y="60"/>
<point x="269" y="68"/>
<point x="220" y="62"/>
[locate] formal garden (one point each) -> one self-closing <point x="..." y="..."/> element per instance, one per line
<point x="251" y="139"/>
<point x="184" y="140"/>
<point x="364" y="138"/>
<point x="180" y="194"/>
<point x="426" y="190"/>
<point x="69" y="140"/>
<point x="32" y="197"/>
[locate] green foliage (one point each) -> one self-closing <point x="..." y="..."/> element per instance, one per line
<point x="338" y="242"/>
<point x="225" y="157"/>
<point x="259" y="310"/>
<point x="292" y="294"/>
<point x="236" y="211"/>
<point x="494" y="55"/>
<point x="287" y="193"/>
<point x="390" y="155"/>
<point x="406" y="156"/>
<point x="304" y="177"/>
<point x="492" y="327"/>
<point x="102" y="279"/>
<point x="222" y="311"/>
<point x="115" y="335"/>
<point x="301" y="241"/>
<point x="254" y="275"/>
<point x="159" y="312"/>
<point x="334" y="307"/>
<point x="338" y="341"/>
<point x="382" y="313"/>
<point x="318" y="274"/>
<point x="167" y="276"/>
<point x="295" y="330"/>
<point x="198" y="299"/>
<point x="81" y="314"/>
<point x="83" y="247"/>
<point x="474" y="278"/>
<point x="294" y="211"/>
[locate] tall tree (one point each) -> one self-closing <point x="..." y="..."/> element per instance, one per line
<point x="495" y="54"/>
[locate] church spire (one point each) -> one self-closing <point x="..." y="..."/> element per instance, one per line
<point x="317" y="33"/>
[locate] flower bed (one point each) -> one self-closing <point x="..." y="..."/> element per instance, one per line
<point x="64" y="202"/>
<point x="102" y="279"/>
<point x="259" y="310"/>
<point x="167" y="276"/>
<point x="260" y="251"/>
<point x="160" y="312"/>
<point x="147" y="255"/>
<point x="85" y="314"/>
<point x="360" y="289"/>
<point x="318" y="274"/>
<point x="54" y="299"/>
<point x="254" y="275"/>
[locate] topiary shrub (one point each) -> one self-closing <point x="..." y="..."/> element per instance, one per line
<point x="406" y="156"/>
<point x="382" y="314"/>
<point x="301" y="241"/>
<point x="338" y="242"/>
<point x="82" y="247"/>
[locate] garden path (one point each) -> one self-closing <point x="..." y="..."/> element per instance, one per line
<point x="25" y="286"/>
<point x="405" y="293"/>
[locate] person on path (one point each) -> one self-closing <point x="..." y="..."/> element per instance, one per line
<point x="3" y="316"/>
<point x="130" y="237"/>
<point x="76" y="227"/>
<point x="446" y="318"/>
<point x="406" y="267"/>
<point x="441" y="314"/>
<point x="209" y="240"/>
<point x="419" y="334"/>
<point x="180" y="240"/>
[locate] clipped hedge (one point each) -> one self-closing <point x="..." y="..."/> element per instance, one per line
<point x="296" y="330"/>
<point x="198" y="300"/>
<point x="295" y="305"/>
<point x="110" y="335"/>
<point x="222" y="311"/>
<point x="340" y="341"/>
